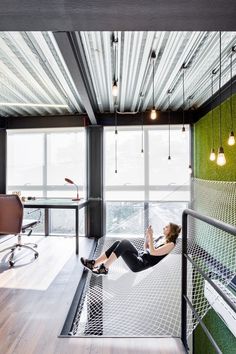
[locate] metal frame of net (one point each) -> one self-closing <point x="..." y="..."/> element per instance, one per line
<point x="213" y="250"/>
<point x="127" y="304"/>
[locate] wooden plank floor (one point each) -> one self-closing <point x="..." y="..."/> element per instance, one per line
<point x="35" y="297"/>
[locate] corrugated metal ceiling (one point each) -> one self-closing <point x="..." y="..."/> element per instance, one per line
<point x="33" y="71"/>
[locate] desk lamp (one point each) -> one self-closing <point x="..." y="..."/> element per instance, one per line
<point x="77" y="188"/>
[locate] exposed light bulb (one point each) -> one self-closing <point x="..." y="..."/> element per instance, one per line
<point x="221" y="160"/>
<point x="212" y="155"/>
<point x="231" y="140"/>
<point x="115" y="89"/>
<point x="153" y="113"/>
<point x="190" y="169"/>
<point x="169" y="160"/>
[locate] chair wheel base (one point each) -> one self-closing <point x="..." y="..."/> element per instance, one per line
<point x="36" y="255"/>
<point x="11" y="263"/>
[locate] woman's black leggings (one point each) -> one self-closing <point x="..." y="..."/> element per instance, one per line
<point x="129" y="253"/>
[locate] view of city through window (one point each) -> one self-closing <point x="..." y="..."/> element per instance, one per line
<point x="147" y="188"/>
<point x="37" y="164"/>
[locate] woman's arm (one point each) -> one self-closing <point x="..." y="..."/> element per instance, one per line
<point x="160" y="251"/>
<point x="146" y="241"/>
<point x="163" y="250"/>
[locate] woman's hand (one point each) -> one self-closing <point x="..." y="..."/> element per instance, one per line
<point x="149" y="233"/>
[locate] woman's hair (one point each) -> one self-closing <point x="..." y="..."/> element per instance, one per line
<point x="174" y="232"/>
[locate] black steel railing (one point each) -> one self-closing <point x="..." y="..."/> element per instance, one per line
<point x="185" y="300"/>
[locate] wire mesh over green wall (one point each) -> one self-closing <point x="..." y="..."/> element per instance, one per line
<point x="203" y="167"/>
<point x="209" y="170"/>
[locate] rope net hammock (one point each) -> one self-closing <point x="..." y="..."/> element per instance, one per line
<point x="148" y="303"/>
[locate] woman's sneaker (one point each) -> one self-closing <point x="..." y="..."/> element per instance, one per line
<point x="87" y="263"/>
<point x="102" y="270"/>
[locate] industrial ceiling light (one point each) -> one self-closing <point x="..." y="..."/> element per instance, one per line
<point x="153" y="114"/>
<point x="115" y="89"/>
<point x="231" y="140"/>
<point x="212" y="154"/>
<point x="115" y="84"/>
<point x="221" y="161"/>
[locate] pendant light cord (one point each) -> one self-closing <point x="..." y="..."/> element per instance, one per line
<point x="116" y="132"/>
<point x="212" y="127"/>
<point x="220" y="135"/>
<point x="169" y="123"/>
<point x="142" y="150"/>
<point x="153" y="83"/>
<point x="183" y="96"/>
<point x="231" y="91"/>
<point x="115" y="41"/>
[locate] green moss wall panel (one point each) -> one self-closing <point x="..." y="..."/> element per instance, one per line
<point x="209" y="170"/>
<point x="224" y="338"/>
<point x="203" y="167"/>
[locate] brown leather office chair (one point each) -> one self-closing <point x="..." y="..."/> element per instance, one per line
<point x="12" y="222"/>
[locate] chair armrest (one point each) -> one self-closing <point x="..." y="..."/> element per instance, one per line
<point x="29" y="223"/>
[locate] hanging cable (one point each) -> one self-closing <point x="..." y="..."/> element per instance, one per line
<point x="116" y="133"/>
<point x="153" y="114"/>
<point x="212" y="83"/>
<point x="220" y="135"/>
<point x="212" y="153"/>
<point x="169" y="157"/>
<point x="142" y="147"/>
<point x="116" y="155"/>
<point x="183" y="127"/>
<point x="116" y="130"/>
<point x="231" y="140"/>
<point x="221" y="156"/>
<point x="115" y="79"/>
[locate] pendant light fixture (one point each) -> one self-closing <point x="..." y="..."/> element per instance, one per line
<point x="212" y="154"/>
<point x="183" y="68"/>
<point x="115" y="81"/>
<point x="169" y="114"/>
<point x="231" y="140"/>
<point x="115" y="89"/>
<point x="153" y="114"/>
<point x="221" y="161"/>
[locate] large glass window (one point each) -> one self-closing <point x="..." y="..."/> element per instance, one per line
<point x="38" y="162"/>
<point x="162" y="186"/>
<point x="25" y="163"/>
<point x="148" y="175"/>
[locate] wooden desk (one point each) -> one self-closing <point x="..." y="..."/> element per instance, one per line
<point x="58" y="203"/>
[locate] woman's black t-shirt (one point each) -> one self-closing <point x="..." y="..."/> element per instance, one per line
<point x="151" y="260"/>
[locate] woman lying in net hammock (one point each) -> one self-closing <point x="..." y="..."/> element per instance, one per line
<point x="154" y="252"/>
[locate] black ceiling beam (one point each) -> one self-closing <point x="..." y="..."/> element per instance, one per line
<point x="216" y="100"/>
<point x="2" y="122"/>
<point x="106" y="119"/>
<point x="31" y="122"/>
<point x="72" y="52"/>
<point x="102" y="15"/>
